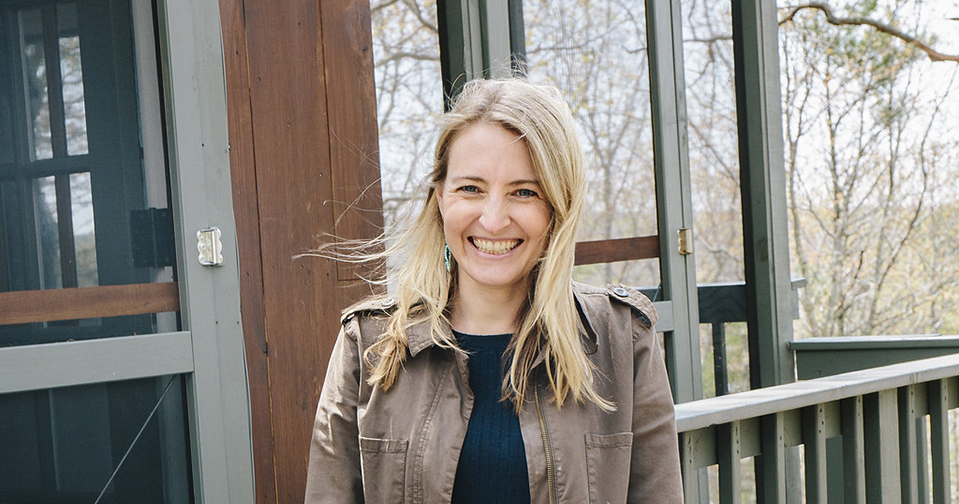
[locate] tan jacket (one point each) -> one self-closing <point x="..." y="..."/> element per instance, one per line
<point x="403" y="445"/>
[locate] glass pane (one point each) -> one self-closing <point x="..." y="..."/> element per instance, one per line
<point x="68" y="219"/>
<point x="595" y="53"/>
<point x="71" y="73"/>
<point x="48" y="234"/>
<point x="75" y="254"/>
<point x="409" y="95"/>
<point x="713" y="141"/>
<point x="35" y="82"/>
<point x="84" y="232"/>
<point x="63" y="445"/>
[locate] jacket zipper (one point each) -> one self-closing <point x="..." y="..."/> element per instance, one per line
<point x="550" y="477"/>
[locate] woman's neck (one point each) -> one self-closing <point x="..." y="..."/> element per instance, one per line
<point x="484" y="311"/>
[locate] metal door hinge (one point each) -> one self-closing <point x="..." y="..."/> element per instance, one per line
<point x="209" y="246"/>
<point x="685" y="241"/>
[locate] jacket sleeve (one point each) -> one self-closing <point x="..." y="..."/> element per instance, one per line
<point x="654" y="469"/>
<point x="333" y="475"/>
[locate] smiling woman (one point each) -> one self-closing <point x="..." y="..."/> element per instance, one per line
<point x="489" y="363"/>
<point x="495" y="222"/>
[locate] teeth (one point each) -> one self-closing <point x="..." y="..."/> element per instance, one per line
<point x="495" y="247"/>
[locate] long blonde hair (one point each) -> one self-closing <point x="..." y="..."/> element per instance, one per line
<point x="549" y="325"/>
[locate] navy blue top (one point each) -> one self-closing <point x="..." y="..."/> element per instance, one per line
<point x="492" y="466"/>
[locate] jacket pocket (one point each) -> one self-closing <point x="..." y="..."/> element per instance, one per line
<point x="607" y="466"/>
<point x="383" y="468"/>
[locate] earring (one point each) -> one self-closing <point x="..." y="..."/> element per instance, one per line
<point x="446" y="257"/>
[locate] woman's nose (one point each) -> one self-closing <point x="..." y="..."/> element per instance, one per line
<point x="495" y="216"/>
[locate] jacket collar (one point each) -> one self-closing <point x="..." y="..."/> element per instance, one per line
<point x="418" y="335"/>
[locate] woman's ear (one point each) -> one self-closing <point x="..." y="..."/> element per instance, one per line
<point x="438" y="192"/>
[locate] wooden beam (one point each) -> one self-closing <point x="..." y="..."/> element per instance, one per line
<point x="246" y="210"/>
<point x="25" y="307"/>
<point x="617" y="249"/>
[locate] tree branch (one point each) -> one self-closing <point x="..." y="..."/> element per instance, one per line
<point x="832" y="19"/>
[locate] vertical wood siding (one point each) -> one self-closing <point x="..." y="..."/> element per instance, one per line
<point x="304" y="162"/>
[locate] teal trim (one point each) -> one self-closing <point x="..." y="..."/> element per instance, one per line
<point x="38" y="367"/>
<point x="217" y="390"/>
<point x="453" y="54"/>
<point x="476" y="38"/>
<point x="816" y="357"/>
<point x="769" y="297"/>
<point x="674" y="208"/>
<point x="847" y="425"/>
<point x="665" y="311"/>
<point x="674" y="212"/>
<point x="495" y="37"/>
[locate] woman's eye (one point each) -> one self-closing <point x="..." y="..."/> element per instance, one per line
<point x="469" y="189"/>
<point x="526" y="193"/>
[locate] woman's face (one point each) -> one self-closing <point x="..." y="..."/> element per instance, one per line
<point x="495" y="215"/>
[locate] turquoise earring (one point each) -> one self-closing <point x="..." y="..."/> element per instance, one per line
<point x="446" y="257"/>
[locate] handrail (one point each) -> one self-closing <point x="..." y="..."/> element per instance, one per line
<point x="766" y="401"/>
<point x="885" y="426"/>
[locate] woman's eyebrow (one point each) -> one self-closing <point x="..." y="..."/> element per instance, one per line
<point x="468" y="178"/>
<point x="473" y="178"/>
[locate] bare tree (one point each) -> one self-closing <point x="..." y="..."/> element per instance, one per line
<point x="409" y="91"/>
<point x="862" y="153"/>
<point x="595" y="53"/>
<point x="869" y="130"/>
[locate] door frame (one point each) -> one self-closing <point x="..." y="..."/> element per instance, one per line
<point x="191" y="49"/>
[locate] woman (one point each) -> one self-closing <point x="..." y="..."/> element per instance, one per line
<point x="490" y="376"/>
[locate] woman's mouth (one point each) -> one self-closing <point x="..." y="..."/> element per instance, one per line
<point x="494" y="247"/>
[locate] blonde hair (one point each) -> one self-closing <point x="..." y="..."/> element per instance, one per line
<point x="550" y="323"/>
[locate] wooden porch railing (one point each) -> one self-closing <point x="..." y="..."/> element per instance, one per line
<point x="881" y="415"/>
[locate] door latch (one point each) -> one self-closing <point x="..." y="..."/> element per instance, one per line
<point x="209" y="246"/>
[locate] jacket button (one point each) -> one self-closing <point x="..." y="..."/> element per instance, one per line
<point x="388" y="302"/>
<point x="621" y="292"/>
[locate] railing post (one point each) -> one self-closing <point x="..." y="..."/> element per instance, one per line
<point x="881" y="433"/>
<point x="719" y="359"/>
<point x="908" y="446"/>
<point x="771" y="465"/>
<point x="730" y="463"/>
<point x="923" y="457"/>
<point x="852" y="453"/>
<point x="814" y="440"/>
<point x="939" y="426"/>
<point x="687" y="462"/>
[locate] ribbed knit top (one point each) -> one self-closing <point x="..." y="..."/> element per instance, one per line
<point x="492" y="465"/>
